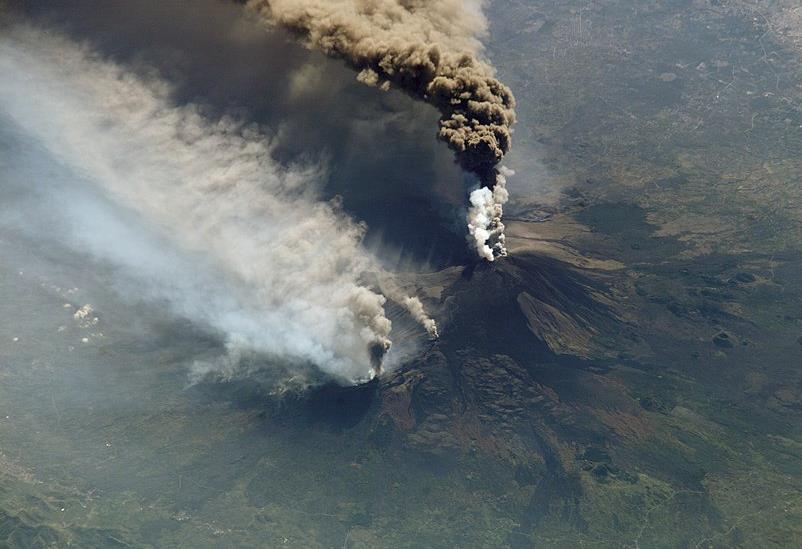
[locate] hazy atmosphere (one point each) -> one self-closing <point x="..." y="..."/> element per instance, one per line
<point x="387" y="273"/>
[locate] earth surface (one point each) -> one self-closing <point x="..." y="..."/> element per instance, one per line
<point x="630" y="376"/>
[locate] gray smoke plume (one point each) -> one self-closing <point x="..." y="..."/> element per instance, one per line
<point x="430" y="50"/>
<point x="189" y="210"/>
<point x="412" y="304"/>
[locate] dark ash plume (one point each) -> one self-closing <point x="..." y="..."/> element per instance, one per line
<point x="429" y="49"/>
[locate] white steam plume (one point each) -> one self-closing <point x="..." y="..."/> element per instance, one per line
<point x="484" y="217"/>
<point x="430" y="49"/>
<point x="194" y="211"/>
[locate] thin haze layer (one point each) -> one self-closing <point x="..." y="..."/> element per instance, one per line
<point x="429" y="49"/>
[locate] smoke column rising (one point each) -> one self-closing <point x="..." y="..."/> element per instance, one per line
<point x="412" y="304"/>
<point x="193" y="211"/>
<point x="431" y="50"/>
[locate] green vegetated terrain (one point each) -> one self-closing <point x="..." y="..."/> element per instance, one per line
<point x="631" y="376"/>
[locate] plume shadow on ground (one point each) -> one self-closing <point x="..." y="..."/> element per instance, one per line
<point x="379" y="148"/>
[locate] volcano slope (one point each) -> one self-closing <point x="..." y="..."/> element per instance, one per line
<point x="530" y="419"/>
<point x="554" y="411"/>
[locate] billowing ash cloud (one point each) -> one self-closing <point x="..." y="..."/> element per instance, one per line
<point x="192" y="210"/>
<point x="429" y="49"/>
